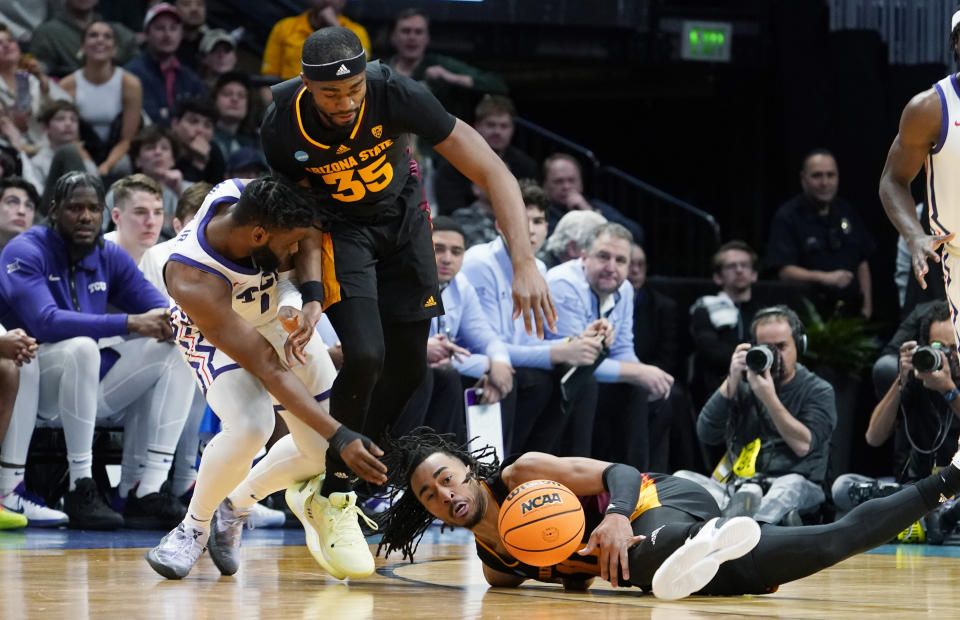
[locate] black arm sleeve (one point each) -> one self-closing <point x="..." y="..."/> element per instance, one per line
<point x="623" y="482"/>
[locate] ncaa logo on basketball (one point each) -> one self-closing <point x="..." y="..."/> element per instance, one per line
<point x="377" y="131"/>
<point x="539" y="502"/>
<point x="301" y="156"/>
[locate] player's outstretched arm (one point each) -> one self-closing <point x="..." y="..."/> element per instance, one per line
<point x="919" y="132"/>
<point x="470" y="154"/>
<point x="205" y="298"/>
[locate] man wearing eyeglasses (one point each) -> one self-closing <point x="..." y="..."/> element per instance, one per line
<point x="920" y="410"/>
<point x="718" y="323"/>
<point x="817" y="237"/>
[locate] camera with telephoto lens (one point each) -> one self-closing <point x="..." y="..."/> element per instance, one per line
<point x="761" y="357"/>
<point x="927" y="359"/>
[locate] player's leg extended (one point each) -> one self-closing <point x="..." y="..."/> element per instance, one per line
<point x="788" y="553"/>
<point x="357" y="323"/>
<point x="246" y="412"/>
<point x="404" y="367"/>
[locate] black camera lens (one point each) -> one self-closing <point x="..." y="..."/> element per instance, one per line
<point x="927" y="359"/>
<point x="759" y="358"/>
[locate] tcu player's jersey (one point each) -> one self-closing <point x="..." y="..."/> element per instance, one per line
<point x="254" y="292"/>
<point x="943" y="162"/>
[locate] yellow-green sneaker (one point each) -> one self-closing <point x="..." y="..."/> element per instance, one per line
<point x="914" y="534"/>
<point x="336" y="541"/>
<point x="299" y="498"/>
<point x="11" y="520"/>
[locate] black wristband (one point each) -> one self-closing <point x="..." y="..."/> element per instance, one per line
<point x="343" y="437"/>
<point x="623" y="482"/>
<point x="311" y="290"/>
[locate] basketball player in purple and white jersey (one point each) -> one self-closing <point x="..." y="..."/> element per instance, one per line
<point x="929" y="136"/>
<point x="226" y="312"/>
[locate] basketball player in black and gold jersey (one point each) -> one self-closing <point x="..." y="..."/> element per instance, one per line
<point x="653" y="531"/>
<point x="343" y="128"/>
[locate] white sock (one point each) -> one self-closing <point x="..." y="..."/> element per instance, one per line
<point x="80" y="466"/>
<point x="154" y="472"/>
<point x="10" y="477"/>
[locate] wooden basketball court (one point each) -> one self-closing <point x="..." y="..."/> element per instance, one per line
<point x="102" y="576"/>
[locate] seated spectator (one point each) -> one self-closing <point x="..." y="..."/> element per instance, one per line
<point x="461" y="342"/>
<point x="595" y="288"/>
<point x="41" y="89"/>
<point x="775" y="425"/>
<point x="165" y="81"/>
<point x="137" y="214"/>
<point x="238" y="118"/>
<point x="109" y="99"/>
<point x="817" y="237"/>
<point x="16" y="349"/>
<point x="538" y="365"/>
<point x="194" y="16"/>
<point x="656" y="338"/>
<point x="247" y="163"/>
<point x="569" y="237"/>
<point x="55" y="42"/>
<point x="218" y="55"/>
<point x="63" y="151"/>
<point x="563" y="182"/>
<point x="477" y="220"/>
<point x="455" y="83"/>
<point x="281" y="56"/>
<point x="18" y="205"/>
<point x="200" y="159"/>
<point x="493" y="119"/>
<point x="718" y="323"/>
<point x="920" y="410"/>
<point x="55" y="286"/>
<point x="153" y="152"/>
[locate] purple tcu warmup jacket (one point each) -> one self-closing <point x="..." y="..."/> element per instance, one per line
<point x="53" y="300"/>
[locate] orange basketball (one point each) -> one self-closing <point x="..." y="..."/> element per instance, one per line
<point x="541" y="522"/>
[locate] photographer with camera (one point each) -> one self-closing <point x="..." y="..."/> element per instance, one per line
<point x="775" y="417"/>
<point x="920" y="411"/>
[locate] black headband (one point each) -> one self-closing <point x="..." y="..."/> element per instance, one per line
<point x="336" y="70"/>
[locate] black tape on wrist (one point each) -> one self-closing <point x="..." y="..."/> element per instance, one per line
<point x="623" y="482"/>
<point x="335" y="70"/>
<point x="311" y="290"/>
<point x="344" y="436"/>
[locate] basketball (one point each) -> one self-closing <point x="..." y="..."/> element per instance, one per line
<point x="541" y="523"/>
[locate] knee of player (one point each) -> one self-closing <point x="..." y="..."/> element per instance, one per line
<point x="84" y="352"/>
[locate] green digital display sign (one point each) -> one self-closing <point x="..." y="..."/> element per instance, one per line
<point x="707" y="41"/>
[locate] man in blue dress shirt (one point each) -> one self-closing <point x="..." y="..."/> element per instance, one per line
<point x="592" y="288"/>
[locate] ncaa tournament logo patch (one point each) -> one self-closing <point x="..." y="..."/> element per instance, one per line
<point x="301" y="156"/>
<point x="377" y="131"/>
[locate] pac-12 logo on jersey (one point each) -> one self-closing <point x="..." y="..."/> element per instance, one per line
<point x="377" y="131"/>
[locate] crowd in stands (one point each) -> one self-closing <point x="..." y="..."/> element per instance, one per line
<point x="112" y="134"/>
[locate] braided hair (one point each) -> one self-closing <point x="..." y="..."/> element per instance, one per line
<point x="404" y="523"/>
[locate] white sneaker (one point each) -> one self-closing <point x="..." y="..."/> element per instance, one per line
<point x="334" y="537"/>
<point x="226" y="530"/>
<point x="33" y="508"/>
<point x="692" y="566"/>
<point x="178" y="551"/>
<point x="261" y="516"/>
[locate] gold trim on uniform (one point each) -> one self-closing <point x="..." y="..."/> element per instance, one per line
<point x="328" y="272"/>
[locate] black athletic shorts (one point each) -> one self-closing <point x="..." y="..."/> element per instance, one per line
<point x="387" y="256"/>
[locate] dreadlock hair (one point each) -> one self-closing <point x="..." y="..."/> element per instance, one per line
<point x="274" y="203"/>
<point x="404" y="523"/>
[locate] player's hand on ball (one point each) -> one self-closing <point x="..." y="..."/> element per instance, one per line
<point x="300" y="331"/>
<point x="614" y="537"/>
